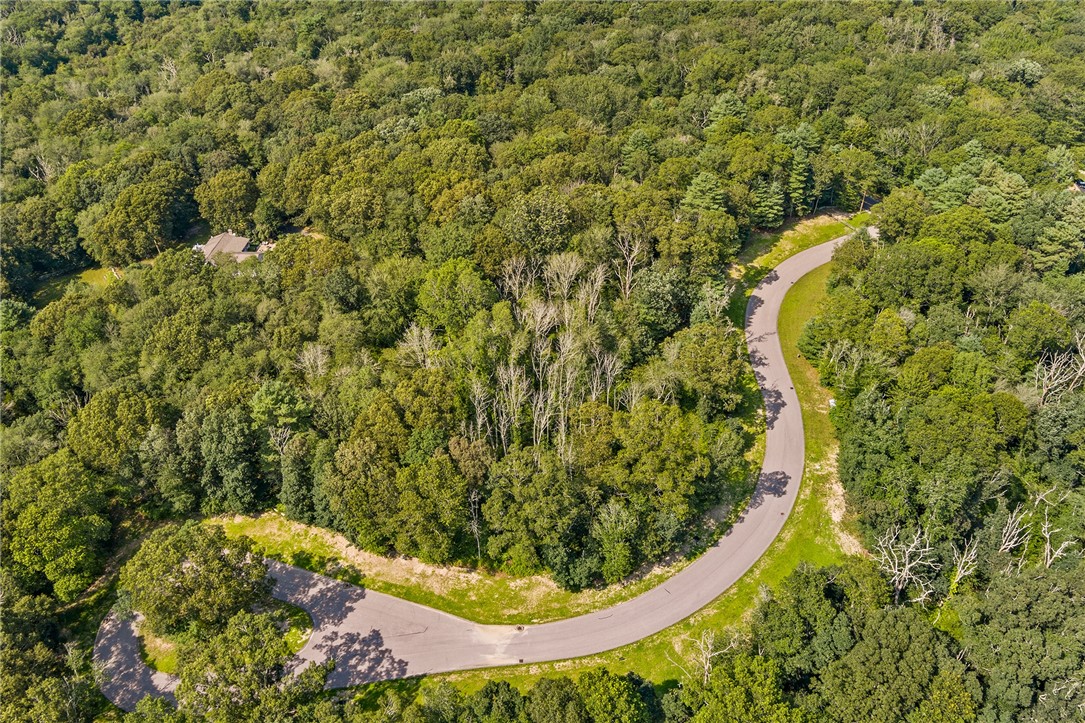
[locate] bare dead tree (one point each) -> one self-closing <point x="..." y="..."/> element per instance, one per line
<point x="280" y="437"/>
<point x="561" y="274"/>
<point x="925" y="136"/>
<point x="169" y="70"/>
<point x="964" y="562"/>
<point x="312" y="361"/>
<point x="1061" y="373"/>
<point x="907" y="561"/>
<point x="631" y="395"/>
<point x="632" y="249"/>
<point x="1048" y="531"/>
<point x="715" y="300"/>
<point x="894" y="141"/>
<point x="590" y="292"/>
<point x="513" y="392"/>
<point x="1016" y="532"/>
<point x="68" y="407"/>
<point x="481" y="402"/>
<point x="540" y="317"/>
<point x="661" y="381"/>
<point x="518" y="274"/>
<point x="702" y="657"/>
<point x="474" y="500"/>
<point x="419" y="346"/>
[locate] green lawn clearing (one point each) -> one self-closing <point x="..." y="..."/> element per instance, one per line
<point x="52" y="289"/>
<point x="159" y="652"/>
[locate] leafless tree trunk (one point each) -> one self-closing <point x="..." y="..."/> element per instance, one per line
<point x="632" y="249"/>
<point x="561" y="274"/>
<point x="73" y="402"/>
<point x="475" y="525"/>
<point x="964" y="562"/>
<point x="517" y="276"/>
<point x="312" y="361"/>
<point x="419" y="346"/>
<point x="169" y="70"/>
<point x="701" y="659"/>
<point x="481" y="402"/>
<point x="1056" y="375"/>
<point x="908" y="561"/>
<point x="715" y="300"/>
<point x="1048" y="530"/>
<point x="280" y="437"/>
<point x="513" y="393"/>
<point x="925" y="137"/>
<point x="590" y="292"/>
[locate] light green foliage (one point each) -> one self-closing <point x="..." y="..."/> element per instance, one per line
<point x="432" y="516"/>
<point x="611" y="697"/>
<point x="708" y="360"/>
<point x="55" y="524"/>
<point x="747" y="687"/>
<point x="901" y="213"/>
<point x="106" y="433"/>
<point x="143" y="219"/>
<point x="890" y="669"/>
<point x="240" y="674"/>
<point x="452" y="294"/>
<point x="192" y="576"/>
<point x="498" y="310"/>
<point x="889" y="335"/>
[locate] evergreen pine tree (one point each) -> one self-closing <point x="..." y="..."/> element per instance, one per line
<point x="798" y="183"/>
<point x="637" y="155"/>
<point x="727" y="105"/>
<point x="705" y="193"/>
<point x="768" y="205"/>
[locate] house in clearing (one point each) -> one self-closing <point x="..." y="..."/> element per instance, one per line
<point x="230" y="244"/>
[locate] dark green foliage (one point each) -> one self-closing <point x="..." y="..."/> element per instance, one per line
<point x="447" y="343"/>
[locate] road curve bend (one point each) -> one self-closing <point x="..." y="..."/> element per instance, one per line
<point x="373" y="636"/>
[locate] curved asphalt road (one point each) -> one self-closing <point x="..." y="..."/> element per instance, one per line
<point x="373" y="636"/>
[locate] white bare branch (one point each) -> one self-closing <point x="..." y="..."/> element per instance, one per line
<point x="1061" y="373"/>
<point x="419" y="346"/>
<point x="1015" y="532"/>
<point x="964" y="562"/>
<point x="908" y="561"/>
<point x="632" y="249"/>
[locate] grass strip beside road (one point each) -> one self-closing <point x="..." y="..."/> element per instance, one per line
<point x="481" y="597"/>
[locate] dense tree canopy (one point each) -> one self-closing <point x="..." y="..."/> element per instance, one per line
<point x="495" y="326"/>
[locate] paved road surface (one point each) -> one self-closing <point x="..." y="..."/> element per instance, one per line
<point x="373" y="636"/>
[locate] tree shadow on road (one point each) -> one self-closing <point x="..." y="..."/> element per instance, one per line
<point x="769" y="484"/>
<point x="360" y="658"/>
<point x="773" y="397"/>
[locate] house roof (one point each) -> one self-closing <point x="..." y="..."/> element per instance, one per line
<point x="225" y="243"/>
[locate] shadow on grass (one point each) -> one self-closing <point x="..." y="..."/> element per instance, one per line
<point x="327" y="565"/>
<point x="368" y="697"/>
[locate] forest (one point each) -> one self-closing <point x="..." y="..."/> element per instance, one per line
<point x="497" y="329"/>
